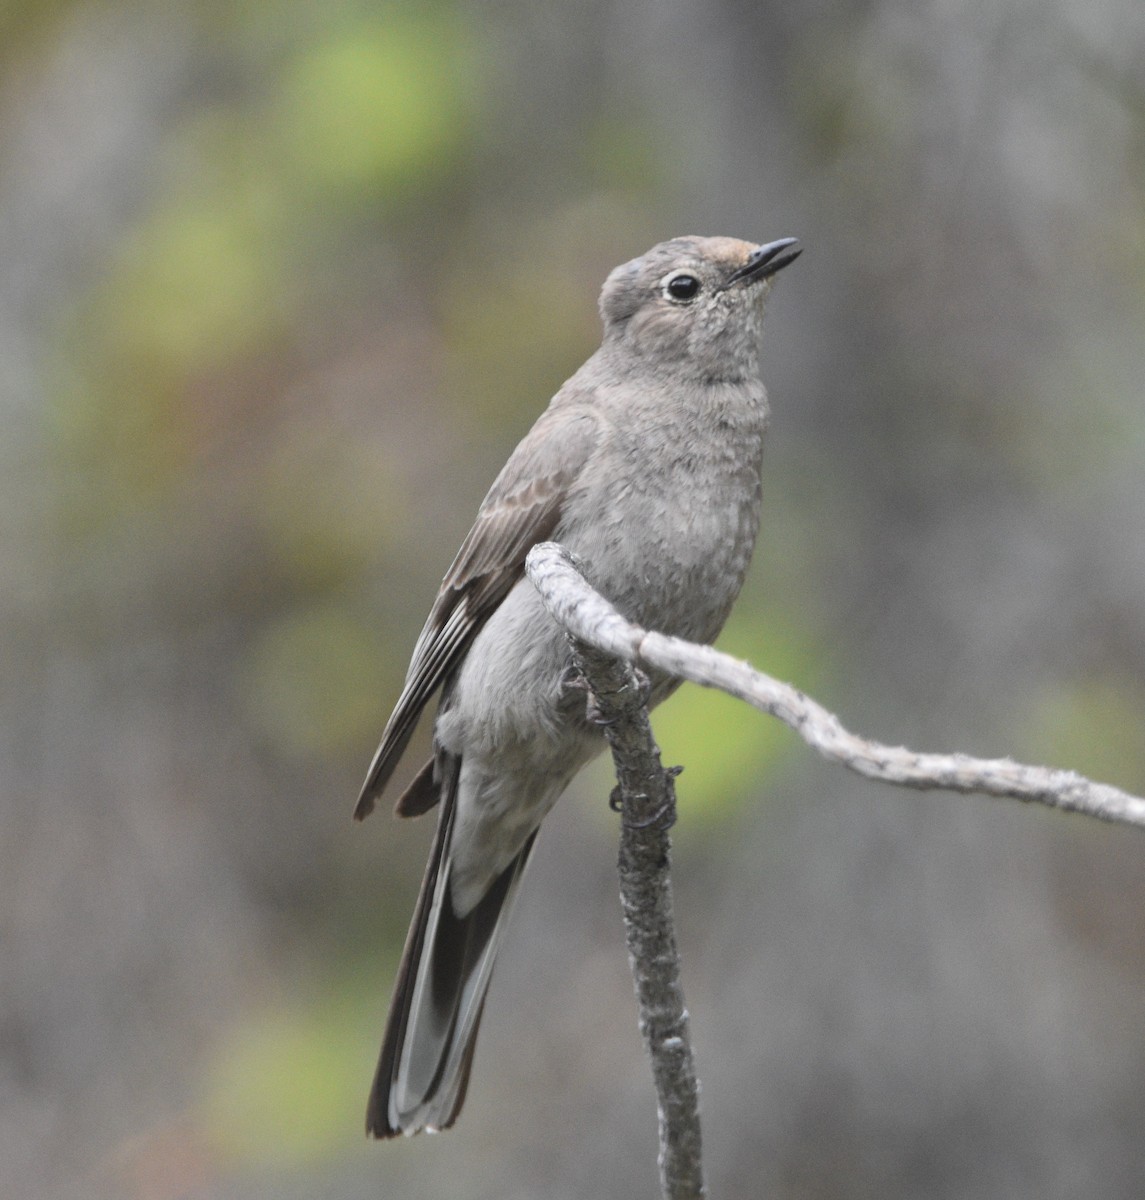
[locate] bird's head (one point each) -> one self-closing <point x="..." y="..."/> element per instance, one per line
<point x="694" y="304"/>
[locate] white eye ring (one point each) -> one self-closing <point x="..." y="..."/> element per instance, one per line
<point x="681" y="287"/>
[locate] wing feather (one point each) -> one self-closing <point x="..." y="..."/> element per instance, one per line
<point x="523" y="507"/>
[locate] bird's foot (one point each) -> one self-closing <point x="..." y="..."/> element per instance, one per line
<point x="572" y="680"/>
<point x="594" y="716"/>
<point x="643" y="685"/>
<point x="662" y="817"/>
<point x="643" y="689"/>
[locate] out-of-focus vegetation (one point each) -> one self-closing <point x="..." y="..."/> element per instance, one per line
<point x="280" y="286"/>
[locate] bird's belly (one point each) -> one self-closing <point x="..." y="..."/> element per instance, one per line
<point x="521" y="735"/>
<point x="510" y="697"/>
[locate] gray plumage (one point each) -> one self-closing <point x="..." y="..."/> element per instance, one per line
<point x="647" y="464"/>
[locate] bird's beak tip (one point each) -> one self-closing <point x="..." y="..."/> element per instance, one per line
<point x="764" y="261"/>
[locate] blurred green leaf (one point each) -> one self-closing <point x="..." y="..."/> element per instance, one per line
<point x="377" y="109"/>
<point x="311" y="681"/>
<point x="197" y="284"/>
<point x="1093" y="726"/>
<point x="122" y="439"/>
<point x="286" y="1086"/>
<point x="325" y="505"/>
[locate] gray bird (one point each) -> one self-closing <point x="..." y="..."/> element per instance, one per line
<point x="646" y="464"/>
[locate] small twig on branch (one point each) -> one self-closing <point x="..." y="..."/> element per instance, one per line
<point x="588" y="616"/>
<point x="646" y="798"/>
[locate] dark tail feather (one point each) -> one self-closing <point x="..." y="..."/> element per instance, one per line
<point x="421" y="794"/>
<point x="427" y="1049"/>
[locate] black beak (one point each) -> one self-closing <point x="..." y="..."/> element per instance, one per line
<point x="764" y="262"/>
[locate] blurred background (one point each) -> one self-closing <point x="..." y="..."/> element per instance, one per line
<point x="281" y="284"/>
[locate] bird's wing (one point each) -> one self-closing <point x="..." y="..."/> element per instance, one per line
<point x="523" y="507"/>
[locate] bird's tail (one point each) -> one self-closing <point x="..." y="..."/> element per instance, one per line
<point x="428" y="1045"/>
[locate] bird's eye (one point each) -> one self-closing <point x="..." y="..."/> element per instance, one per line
<point x="682" y="286"/>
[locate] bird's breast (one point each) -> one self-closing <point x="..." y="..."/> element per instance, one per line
<point x="669" y="539"/>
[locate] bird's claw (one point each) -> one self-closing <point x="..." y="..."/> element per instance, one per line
<point x="594" y="716"/>
<point x="643" y="685"/>
<point x="663" y="817"/>
<point x="572" y="680"/>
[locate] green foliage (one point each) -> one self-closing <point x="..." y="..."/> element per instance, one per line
<point x="285" y="1087"/>
<point x="219" y="271"/>
<point x="379" y="109"/>
<point x="316" y="525"/>
<point x="311" y="681"/>
<point x="200" y="282"/>
<point x="1093" y="726"/>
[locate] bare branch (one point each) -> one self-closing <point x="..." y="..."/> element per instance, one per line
<point x="588" y="616"/>
<point x="606" y="648"/>
<point x="646" y="798"/>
